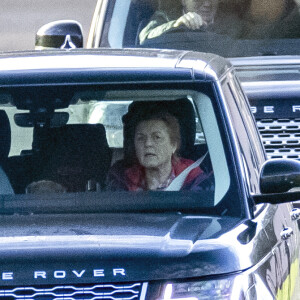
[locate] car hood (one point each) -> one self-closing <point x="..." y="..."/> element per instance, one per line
<point x="145" y="246"/>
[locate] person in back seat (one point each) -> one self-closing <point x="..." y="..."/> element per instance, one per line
<point x="156" y="163"/>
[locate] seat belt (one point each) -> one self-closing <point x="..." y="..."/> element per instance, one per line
<point x="177" y="183"/>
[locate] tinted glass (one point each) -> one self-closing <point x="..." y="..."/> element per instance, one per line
<point x="101" y="144"/>
<point x="230" y="28"/>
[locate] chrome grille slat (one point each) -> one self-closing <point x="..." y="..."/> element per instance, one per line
<point x="281" y="137"/>
<point x="73" y="292"/>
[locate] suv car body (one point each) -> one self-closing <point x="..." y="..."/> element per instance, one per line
<point x="235" y="237"/>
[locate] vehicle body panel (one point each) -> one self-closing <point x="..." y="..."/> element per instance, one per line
<point x="69" y="239"/>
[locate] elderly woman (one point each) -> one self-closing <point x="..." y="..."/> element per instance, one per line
<point x="156" y="143"/>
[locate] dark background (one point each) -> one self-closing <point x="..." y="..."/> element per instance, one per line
<point x="21" y="19"/>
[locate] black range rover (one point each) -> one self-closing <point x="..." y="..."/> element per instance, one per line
<point x="65" y="233"/>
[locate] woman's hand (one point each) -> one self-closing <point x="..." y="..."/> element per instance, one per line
<point x="191" y="20"/>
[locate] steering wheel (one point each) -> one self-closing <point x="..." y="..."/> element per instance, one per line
<point x="194" y="40"/>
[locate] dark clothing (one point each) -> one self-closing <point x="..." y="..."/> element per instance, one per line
<point x="225" y="23"/>
<point x="288" y="26"/>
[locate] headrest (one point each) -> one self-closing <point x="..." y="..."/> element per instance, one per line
<point x="5" y="135"/>
<point x="72" y="154"/>
<point x="73" y="137"/>
<point x="182" y="109"/>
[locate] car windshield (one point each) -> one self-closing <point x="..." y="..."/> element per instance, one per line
<point x="230" y="28"/>
<point x="104" y="148"/>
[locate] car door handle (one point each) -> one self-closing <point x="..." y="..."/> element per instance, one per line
<point x="295" y="214"/>
<point x="286" y="233"/>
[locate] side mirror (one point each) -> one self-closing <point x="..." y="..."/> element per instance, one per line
<point x="279" y="176"/>
<point x="64" y="34"/>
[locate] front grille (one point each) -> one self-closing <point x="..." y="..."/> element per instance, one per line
<point x="75" y="292"/>
<point x="281" y="137"/>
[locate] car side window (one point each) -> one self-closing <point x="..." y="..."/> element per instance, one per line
<point x="250" y="158"/>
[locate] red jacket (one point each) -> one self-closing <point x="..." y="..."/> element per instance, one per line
<point x="132" y="178"/>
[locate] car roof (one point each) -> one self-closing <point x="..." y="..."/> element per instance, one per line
<point x="80" y="65"/>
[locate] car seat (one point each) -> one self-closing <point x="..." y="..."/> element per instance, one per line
<point x="5" y="137"/>
<point x="73" y="155"/>
<point x="172" y="8"/>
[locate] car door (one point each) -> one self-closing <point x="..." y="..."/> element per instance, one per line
<point x="280" y="267"/>
<point x="288" y="249"/>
